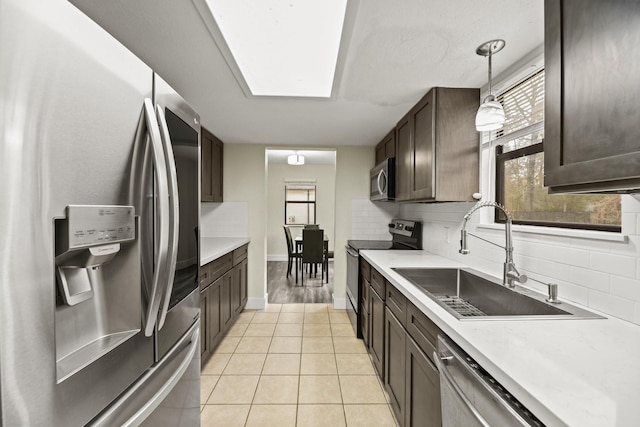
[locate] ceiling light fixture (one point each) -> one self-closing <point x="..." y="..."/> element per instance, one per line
<point x="295" y="159"/>
<point x="490" y="115"/>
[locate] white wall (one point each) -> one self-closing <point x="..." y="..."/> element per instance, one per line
<point x="324" y="177"/>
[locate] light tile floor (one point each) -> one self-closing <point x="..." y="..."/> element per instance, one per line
<point x="292" y="365"/>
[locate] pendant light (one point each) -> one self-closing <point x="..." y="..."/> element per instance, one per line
<point x="295" y="159"/>
<point x="490" y="115"/>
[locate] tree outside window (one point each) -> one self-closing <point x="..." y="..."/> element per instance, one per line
<point x="520" y="170"/>
<point x="300" y="204"/>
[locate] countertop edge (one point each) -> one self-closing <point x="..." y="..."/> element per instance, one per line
<point x="212" y="248"/>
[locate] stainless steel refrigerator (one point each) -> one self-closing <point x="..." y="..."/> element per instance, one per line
<point x="99" y="213"/>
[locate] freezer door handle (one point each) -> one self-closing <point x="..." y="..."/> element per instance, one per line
<point x="162" y="243"/>
<point x="141" y="399"/>
<point x="174" y="212"/>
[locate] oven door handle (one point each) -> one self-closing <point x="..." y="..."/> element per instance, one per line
<point x="351" y="252"/>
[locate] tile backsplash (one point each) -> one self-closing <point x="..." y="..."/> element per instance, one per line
<point x="601" y="274"/>
<point x="369" y="220"/>
<point x="227" y="219"/>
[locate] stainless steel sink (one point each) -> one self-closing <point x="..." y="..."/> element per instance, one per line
<point x="471" y="295"/>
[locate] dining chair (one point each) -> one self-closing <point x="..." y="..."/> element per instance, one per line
<point x="327" y="255"/>
<point x="292" y="252"/>
<point x="312" y="226"/>
<point x="312" y="250"/>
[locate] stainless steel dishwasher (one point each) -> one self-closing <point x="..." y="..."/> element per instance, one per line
<point x="471" y="397"/>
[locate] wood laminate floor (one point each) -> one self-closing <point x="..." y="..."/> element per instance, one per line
<point x="285" y="290"/>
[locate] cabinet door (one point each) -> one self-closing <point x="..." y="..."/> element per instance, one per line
<point x="376" y="331"/>
<point x="422" y="389"/>
<point x="364" y="324"/>
<point x="206" y="165"/>
<point x="591" y="95"/>
<point x="236" y="290"/>
<point x="394" y="365"/>
<point x="214" y="325"/>
<point x="380" y="152"/>
<point x="244" y="283"/>
<point x="226" y="304"/>
<point x="389" y="142"/>
<point x="211" y="161"/>
<point x="422" y="126"/>
<point x="239" y="287"/>
<point x="404" y="159"/>
<point x="204" y="326"/>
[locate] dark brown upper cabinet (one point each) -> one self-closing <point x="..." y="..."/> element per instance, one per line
<point x="386" y="148"/>
<point x="437" y="148"/>
<point x="592" y="106"/>
<point x="211" y="178"/>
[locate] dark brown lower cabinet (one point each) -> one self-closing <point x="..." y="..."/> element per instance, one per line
<point x="376" y="331"/>
<point x="223" y="296"/>
<point x="395" y="362"/>
<point x="364" y="323"/>
<point x="210" y="327"/>
<point x="226" y="302"/>
<point x="422" y="389"/>
<point x="242" y="269"/>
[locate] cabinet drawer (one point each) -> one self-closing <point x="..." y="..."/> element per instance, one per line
<point x="240" y="254"/>
<point x="204" y="277"/>
<point x="397" y="303"/>
<point x="378" y="283"/>
<point x="423" y="331"/>
<point x="220" y="266"/>
<point x="365" y="269"/>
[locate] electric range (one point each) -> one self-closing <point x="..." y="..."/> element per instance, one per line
<point x="405" y="234"/>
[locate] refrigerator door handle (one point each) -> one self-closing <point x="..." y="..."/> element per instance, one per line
<point x="174" y="214"/>
<point x="162" y="186"/>
<point x="146" y="394"/>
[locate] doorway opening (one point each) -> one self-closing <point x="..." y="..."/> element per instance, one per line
<point x="300" y="196"/>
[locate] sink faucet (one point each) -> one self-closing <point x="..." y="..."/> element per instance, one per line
<point x="510" y="274"/>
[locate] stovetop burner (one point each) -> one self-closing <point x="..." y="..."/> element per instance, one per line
<point x="405" y="234"/>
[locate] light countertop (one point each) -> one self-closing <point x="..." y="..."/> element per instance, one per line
<point x="566" y="372"/>
<point x="214" y="247"/>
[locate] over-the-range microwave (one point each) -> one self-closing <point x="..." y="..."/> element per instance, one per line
<point x="383" y="181"/>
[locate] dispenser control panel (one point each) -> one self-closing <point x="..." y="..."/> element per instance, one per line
<point x="90" y="225"/>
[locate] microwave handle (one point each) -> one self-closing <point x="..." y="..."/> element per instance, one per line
<point x="380" y="175"/>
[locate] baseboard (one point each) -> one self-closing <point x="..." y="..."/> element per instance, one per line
<point x="277" y="258"/>
<point x="339" y="303"/>
<point x="256" y="303"/>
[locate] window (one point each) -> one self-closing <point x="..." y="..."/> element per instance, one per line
<point x="520" y="170"/>
<point x="300" y="204"/>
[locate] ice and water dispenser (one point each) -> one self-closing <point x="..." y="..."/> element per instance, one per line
<point x="98" y="284"/>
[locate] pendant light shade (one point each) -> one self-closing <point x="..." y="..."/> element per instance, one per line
<point x="295" y="159"/>
<point x="490" y="115"/>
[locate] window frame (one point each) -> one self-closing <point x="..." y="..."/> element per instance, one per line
<point x="499" y="218"/>
<point x="306" y="202"/>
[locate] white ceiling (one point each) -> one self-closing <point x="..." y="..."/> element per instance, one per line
<point x="398" y="50"/>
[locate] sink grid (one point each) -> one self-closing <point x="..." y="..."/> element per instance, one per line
<point x="460" y="306"/>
